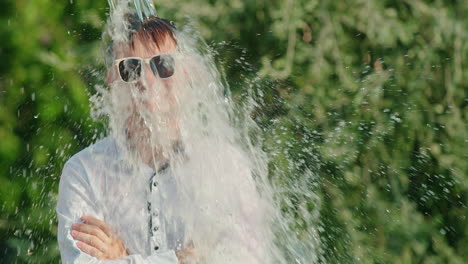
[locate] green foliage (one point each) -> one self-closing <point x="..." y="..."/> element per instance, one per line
<point x="43" y="116"/>
<point x="369" y="96"/>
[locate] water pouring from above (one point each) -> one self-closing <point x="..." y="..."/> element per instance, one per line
<point x="176" y="180"/>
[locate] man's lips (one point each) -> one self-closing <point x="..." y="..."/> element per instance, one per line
<point x="140" y="86"/>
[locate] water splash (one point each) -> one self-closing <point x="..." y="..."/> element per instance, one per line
<point x="144" y="8"/>
<point x="231" y="210"/>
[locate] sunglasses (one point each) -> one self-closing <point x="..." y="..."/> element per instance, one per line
<point x="130" y="68"/>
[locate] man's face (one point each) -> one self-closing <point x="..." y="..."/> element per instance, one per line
<point x="154" y="102"/>
<point x="157" y="95"/>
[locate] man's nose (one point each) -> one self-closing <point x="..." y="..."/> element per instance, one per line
<point x="146" y="80"/>
<point x="149" y="75"/>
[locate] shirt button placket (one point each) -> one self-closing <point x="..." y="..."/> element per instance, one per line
<point x="156" y="233"/>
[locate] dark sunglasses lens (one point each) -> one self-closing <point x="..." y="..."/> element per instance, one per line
<point x="164" y="65"/>
<point x="130" y="70"/>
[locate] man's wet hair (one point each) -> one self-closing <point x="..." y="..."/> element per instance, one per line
<point x="152" y="31"/>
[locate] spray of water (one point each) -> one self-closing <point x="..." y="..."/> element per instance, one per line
<point x="230" y="210"/>
<point x="144" y="8"/>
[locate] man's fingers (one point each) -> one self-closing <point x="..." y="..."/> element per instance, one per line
<point x="96" y="222"/>
<point x="89" y="250"/>
<point x="188" y="252"/>
<point x="90" y="240"/>
<point x="91" y="230"/>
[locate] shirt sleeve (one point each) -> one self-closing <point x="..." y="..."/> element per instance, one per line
<point x="75" y="199"/>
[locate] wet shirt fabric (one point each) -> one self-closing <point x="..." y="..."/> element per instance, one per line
<point x="132" y="202"/>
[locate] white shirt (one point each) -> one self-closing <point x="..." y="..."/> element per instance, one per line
<point x="133" y="202"/>
<point x="94" y="183"/>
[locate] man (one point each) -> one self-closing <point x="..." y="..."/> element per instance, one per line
<point x="111" y="210"/>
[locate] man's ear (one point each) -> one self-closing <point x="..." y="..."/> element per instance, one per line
<point x="111" y="75"/>
<point x="108" y="77"/>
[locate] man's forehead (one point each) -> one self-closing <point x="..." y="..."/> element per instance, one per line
<point x="145" y="49"/>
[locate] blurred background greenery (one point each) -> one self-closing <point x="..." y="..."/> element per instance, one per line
<point x="366" y="95"/>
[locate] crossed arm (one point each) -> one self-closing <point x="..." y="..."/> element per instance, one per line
<point x="96" y="238"/>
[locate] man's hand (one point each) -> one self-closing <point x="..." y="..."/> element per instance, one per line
<point x="186" y="255"/>
<point x="95" y="238"/>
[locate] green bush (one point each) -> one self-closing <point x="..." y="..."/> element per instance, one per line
<point x="364" y="100"/>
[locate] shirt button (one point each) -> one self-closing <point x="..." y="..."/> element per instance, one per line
<point x="155" y="228"/>
<point x="156" y="247"/>
<point x="155" y="214"/>
<point x="155" y="184"/>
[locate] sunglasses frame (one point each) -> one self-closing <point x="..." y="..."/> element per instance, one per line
<point x="146" y="62"/>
